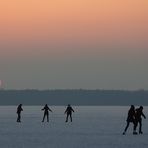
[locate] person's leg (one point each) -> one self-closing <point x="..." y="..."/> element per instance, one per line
<point x="17" y="117"/>
<point x="43" y="118"/>
<point x="71" y="117"/>
<point x="140" y="127"/>
<point x="135" y="126"/>
<point x="126" y="127"/>
<point x="47" y="117"/>
<point x="67" y="118"/>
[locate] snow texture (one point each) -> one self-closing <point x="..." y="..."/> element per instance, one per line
<point x="92" y="127"/>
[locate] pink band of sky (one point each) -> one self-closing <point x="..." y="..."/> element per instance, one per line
<point x="79" y="23"/>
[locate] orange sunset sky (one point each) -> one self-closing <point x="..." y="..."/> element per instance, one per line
<point x="44" y="41"/>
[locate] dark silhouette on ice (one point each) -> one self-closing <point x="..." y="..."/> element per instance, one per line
<point x="138" y="118"/>
<point x="46" y="112"/>
<point x="69" y="111"/>
<point x="131" y="119"/>
<point x="19" y="110"/>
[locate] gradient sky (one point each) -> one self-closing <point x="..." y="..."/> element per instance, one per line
<point x="91" y="44"/>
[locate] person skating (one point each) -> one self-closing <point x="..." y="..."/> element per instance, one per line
<point x="138" y="117"/>
<point x="69" y="111"/>
<point x="19" y="110"/>
<point x="130" y="119"/>
<point x="46" y="112"/>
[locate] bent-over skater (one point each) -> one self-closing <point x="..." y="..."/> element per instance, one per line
<point x="131" y="119"/>
<point x="19" y="109"/>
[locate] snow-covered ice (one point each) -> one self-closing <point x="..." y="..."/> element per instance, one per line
<point x="92" y="127"/>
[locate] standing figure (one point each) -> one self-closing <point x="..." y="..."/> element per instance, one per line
<point x="19" y="109"/>
<point x="130" y="119"/>
<point x="138" y="114"/>
<point x="69" y="111"/>
<point x="46" y="112"/>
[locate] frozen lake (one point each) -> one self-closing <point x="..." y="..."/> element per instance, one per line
<point x="92" y="127"/>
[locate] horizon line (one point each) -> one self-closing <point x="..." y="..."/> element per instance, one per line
<point x="70" y="89"/>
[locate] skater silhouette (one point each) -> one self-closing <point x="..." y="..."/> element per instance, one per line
<point x="69" y="111"/>
<point x="131" y="119"/>
<point x="19" y="109"/>
<point x="46" y="112"/>
<point x="138" y="118"/>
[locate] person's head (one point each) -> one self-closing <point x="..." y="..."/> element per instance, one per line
<point x="132" y="107"/>
<point x="46" y="105"/>
<point x="141" y="107"/>
<point x="20" y="105"/>
<point x="68" y="105"/>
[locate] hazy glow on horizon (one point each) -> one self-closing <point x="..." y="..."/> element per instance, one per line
<point x="74" y="44"/>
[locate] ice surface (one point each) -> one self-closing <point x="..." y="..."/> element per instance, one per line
<point x="92" y="127"/>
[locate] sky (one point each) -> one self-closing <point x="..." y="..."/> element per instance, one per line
<point x="72" y="44"/>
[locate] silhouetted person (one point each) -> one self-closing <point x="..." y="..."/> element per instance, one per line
<point x="19" y="109"/>
<point x="46" y="112"/>
<point x="130" y="119"/>
<point x="138" y="116"/>
<point x="69" y="111"/>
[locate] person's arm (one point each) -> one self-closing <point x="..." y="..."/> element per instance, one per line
<point x="72" y="109"/>
<point x="49" y="109"/>
<point x="43" y="108"/>
<point x="65" y="111"/>
<point x="143" y="115"/>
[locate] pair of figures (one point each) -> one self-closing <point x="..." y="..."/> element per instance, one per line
<point x="46" y="110"/>
<point x="135" y="117"/>
<point x="68" y="111"/>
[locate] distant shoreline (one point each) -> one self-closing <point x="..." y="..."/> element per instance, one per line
<point x="77" y="97"/>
